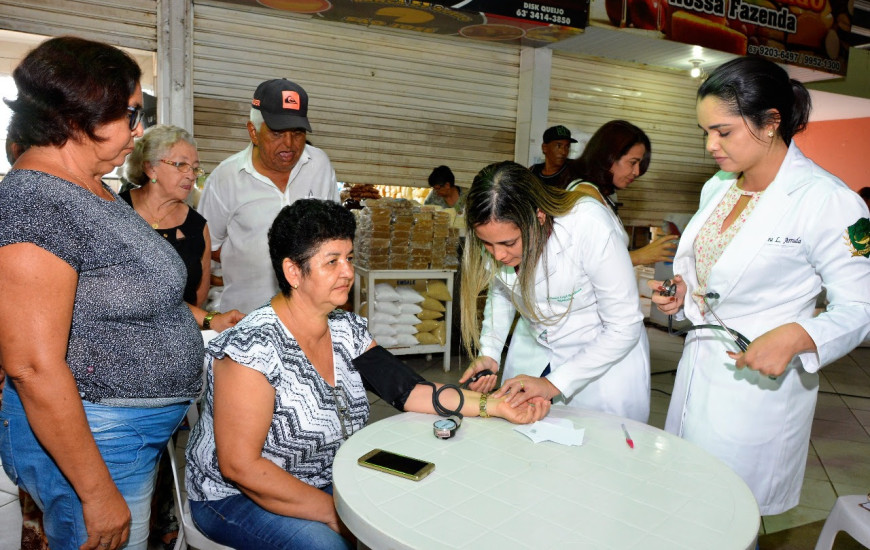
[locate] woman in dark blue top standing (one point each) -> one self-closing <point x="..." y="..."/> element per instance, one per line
<point x="98" y="376"/>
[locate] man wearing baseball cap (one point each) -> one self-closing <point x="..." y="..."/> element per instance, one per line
<point x="557" y="142"/>
<point x="245" y="192"/>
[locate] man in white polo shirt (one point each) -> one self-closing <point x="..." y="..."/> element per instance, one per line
<point x="245" y="192"/>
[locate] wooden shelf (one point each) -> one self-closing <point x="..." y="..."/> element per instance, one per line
<point x="372" y="276"/>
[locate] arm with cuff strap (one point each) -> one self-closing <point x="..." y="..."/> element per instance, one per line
<point x="393" y="381"/>
<point x="386" y="376"/>
<point x="383" y="374"/>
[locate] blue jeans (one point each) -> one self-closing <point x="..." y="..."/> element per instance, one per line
<point x="130" y="441"/>
<point x="240" y="522"/>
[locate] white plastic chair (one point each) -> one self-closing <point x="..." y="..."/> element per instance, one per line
<point x="847" y="515"/>
<point x="188" y="534"/>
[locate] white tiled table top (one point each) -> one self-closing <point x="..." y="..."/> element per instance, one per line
<point x="494" y="488"/>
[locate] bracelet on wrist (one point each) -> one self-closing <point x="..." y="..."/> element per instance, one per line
<point x="483" y="402"/>
<point x="206" y="322"/>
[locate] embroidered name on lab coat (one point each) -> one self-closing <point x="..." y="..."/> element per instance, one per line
<point x="564" y="297"/>
<point x="784" y="241"/>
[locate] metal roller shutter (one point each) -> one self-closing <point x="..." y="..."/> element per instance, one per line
<point x="586" y="92"/>
<point x="126" y="23"/>
<point x="387" y="106"/>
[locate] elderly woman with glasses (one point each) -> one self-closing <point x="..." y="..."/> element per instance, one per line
<point x="287" y="385"/>
<point x="164" y="167"/>
<point x="98" y="375"/>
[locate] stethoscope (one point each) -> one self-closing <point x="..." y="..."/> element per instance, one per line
<point x="670" y="289"/>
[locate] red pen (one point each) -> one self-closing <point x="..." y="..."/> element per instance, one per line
<point x="627" y="437"/>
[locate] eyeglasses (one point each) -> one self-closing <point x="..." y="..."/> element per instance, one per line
<point x="342" y="407"/>
<point x="185" y="167"/>
<point x="135" y="115"/>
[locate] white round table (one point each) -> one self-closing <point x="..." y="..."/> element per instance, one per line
<point x="492" y="487"/>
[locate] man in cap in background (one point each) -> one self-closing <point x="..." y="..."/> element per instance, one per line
<point x="245" y="192"/>
<point x="557" y="143"/>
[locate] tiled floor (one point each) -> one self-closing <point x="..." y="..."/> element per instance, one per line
<point x="837" y="463"/>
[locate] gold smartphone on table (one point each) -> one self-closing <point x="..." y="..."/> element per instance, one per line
<point x="396" y="464"/>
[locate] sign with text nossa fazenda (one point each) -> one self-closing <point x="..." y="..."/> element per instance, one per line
<point x="815" y="34"/>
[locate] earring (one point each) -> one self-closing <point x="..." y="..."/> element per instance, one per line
<point x="153" y="180"/>
<point x="295" y="287"/>
<point x="770" y="133"/>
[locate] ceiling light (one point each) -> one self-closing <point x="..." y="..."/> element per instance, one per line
<point x="695" y="71"/>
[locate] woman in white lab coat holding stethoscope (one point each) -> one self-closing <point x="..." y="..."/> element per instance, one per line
<point x="772" y="229"/>
<point x="560" y="259"/>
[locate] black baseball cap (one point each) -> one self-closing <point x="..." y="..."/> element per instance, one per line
<point x="558" y="132"/>
<point x="284" y="104"/>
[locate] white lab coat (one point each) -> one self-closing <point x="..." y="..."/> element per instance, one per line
<point x="792" y="244"/>
<point x="594" y="339"/>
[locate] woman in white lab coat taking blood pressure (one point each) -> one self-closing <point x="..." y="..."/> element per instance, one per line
<point x="615" y="156"/>
<point x="771" y="231"/>
<point x="560" y="259"/>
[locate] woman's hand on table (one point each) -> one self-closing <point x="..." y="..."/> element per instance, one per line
<point x="107" y="520"/>
<point x="669" y="305"/>
<point x="227" y="319"/>
<point x="771" y="352"/>
<point x="528" y="412"/>
<point x="484" y="384"/>
<point x="522" y="388"/>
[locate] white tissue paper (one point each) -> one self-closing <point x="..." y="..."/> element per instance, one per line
<point x="557" y="430"/>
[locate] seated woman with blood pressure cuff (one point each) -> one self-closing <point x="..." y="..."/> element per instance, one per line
<point x="287" y="386"/>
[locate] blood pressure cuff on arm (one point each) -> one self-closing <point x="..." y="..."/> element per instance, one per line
<point x="383" y="374"/>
